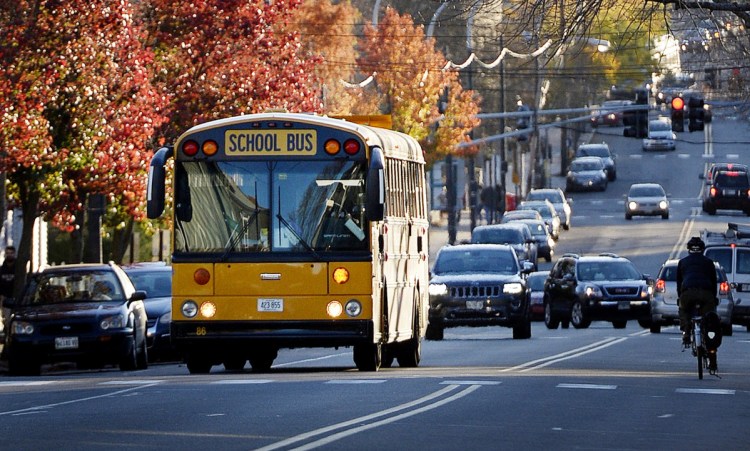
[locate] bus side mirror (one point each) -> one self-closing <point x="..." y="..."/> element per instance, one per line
<point x="156" y="183"/>
<point x="375" y="202"/>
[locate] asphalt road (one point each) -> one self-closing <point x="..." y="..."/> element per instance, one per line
<point x="596" y="388"/>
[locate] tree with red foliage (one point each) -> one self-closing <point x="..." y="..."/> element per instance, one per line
<point x="220" y="58"/>
<point x="410" y="77"/>
<point x="78" y="109"/>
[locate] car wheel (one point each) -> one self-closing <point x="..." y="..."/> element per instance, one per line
<point x="434" y="332"/>
<point x="726" y="330"/>
<point x="129" y="360"/>
<point x="628" y="216"/>
<point x="550" y="318"/>
<point x="142" y="358"/>
<point x="655" y="329"/>
<point x="522" y="330"/>
<point x="577" y="316"/>
<point x="620" y="324"/>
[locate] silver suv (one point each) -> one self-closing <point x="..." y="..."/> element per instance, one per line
<point x="664" y="309"/>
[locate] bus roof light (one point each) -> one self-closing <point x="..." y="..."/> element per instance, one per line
<point x="332" y="147"/>
<point x="351" y="146"/>
<point x="210" y="147"/>
<point x="190" y="148"/>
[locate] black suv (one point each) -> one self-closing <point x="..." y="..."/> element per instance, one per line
<point x="479" y="285"/>
<point x="729" y="190"/>
<point x="605" y="287"/>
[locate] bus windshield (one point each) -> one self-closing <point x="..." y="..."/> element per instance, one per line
<point x="246" y="206"/>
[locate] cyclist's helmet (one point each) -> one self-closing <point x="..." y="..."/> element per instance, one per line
<point x="696" y="245"/>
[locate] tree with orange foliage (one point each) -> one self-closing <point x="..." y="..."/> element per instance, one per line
<point x="410" y="79"/>
<point x="78" y="109"/>
<point x="221" y="58"/>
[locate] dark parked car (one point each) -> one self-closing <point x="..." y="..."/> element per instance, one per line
<point x="90" y="314"/>
<point x="604" y="287"/>
<point x="155" y="278"/>
<point x="729" y="190"/>
<point x="516" y="235"/>
<point x="586" y="173"/>
<point x="478" y="285"/>
<point x="602" y="151"/>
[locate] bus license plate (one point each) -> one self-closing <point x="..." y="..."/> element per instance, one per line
<point x="623" y="305"/>
<point x="475" y="305"/>
<point x="270" y="305"/>
<point x="66" y="342"/>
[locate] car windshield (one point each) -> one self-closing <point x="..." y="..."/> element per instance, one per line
<point x="646" y="191"/>
<point x="543" y="210"/>
<point x="597" y="151"/>
<point x="732" y="179"/>
<point x="660" y="126"/>
<point x="578" y="166"/>
<point x="475" y="261"/>
<point x="156" y="284"/>
<point x="497" y="235"/>
<point x="552" y="196"/>
<point x="538" y="229"/>
<point x="669" y="274"/>
<point x="73" y="286"/>
<point x="599" y="271"/>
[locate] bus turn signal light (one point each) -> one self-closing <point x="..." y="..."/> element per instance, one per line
<point x="340" y="275"/>
<point x="201" y="276"/>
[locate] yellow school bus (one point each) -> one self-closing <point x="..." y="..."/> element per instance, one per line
<point x="295" y="230"/>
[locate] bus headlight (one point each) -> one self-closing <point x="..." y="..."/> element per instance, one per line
<point x="334" y="309"/>
<point x="353" y="308"/>
<point x="208" y="309"/>
<point x="189" y="309"/>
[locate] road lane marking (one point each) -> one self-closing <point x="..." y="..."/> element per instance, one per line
<point x="131" y="382"/>
<point x="316" y="359"/>
<point x="588" y="386"/>
<point x="471" y="383"/>
<point x="242" y="381"/>
<point x="705" y="391"/>
<point x="357" y="421"/>
<point x="24" y="383"/>
<point x="74" y="401"/>
<point x="544" y="361"/>
<point x="355" y="381"/>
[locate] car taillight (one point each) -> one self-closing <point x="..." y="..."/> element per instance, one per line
<point x="712" y="191"/>
<point x="660" y="286"/>
<point x="724" y="287"/>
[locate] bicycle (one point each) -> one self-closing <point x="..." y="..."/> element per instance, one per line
<point x="697" y="335"/>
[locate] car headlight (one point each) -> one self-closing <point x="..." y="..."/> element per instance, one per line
<point x="647" y="291"/>
<point x="166" y="318"/>
<point x="22" y="328"/>
<point x="663" y="204"/>
<point x="437" y="289"/>
<point x="632" y="205"/>
<point x="512" y="288"/>
<point x="112" y="322"/>
<point x="592" y="291"/>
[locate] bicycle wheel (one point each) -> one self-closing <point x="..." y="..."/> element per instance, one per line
<point x="701" y="355"/>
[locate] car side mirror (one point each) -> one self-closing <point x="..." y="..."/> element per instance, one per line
<point x="702" y="176"/>
<point x="138" y="295"/>
<point x="527" y="267"/>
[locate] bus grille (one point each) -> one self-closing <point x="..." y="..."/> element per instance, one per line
<point x="476" y="292"/>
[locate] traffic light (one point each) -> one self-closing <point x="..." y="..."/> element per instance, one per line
<point x="678" y="114"/>
<point x="695" y="114"/>
<point x="523" y="122"/>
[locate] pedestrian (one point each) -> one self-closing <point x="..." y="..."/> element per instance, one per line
<point x="7" y="277"/>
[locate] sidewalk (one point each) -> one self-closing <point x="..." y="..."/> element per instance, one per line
<point x="438" y="234"/>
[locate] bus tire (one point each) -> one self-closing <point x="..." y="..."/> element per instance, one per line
<point x="198" y="364"/>
<point x="262" y="361"/>
<point x="368" y="357"/>
<point x="410" y="352"/>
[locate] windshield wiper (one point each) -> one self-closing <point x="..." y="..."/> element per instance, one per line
<point x="234" y="239"/>
<point x="305" y="244"/>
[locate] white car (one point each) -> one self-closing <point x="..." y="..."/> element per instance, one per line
<point x="660" y="135"/>
<point x="646" y="199"/>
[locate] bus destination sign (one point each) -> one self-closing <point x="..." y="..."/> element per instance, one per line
<point x="243" y="143"/>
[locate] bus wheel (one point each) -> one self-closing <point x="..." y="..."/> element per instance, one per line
<point x="388" y="355"/>
<point x="198" y="364"/>
<point x="434" y="332"/>
<point x="234" y="363"/>
<point x="368" y="356"/>
<point x="410" y="352"/>
<point x="263" y="360"/>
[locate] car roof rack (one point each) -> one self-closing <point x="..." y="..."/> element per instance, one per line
<point x="571" y="255"/>
<point x="609" y="254"/>
<point x="735" y="234"/>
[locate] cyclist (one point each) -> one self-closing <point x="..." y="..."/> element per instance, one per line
<point x="696" y="285"/>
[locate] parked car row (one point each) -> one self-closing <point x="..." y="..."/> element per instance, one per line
<point x="92" y="315"/>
